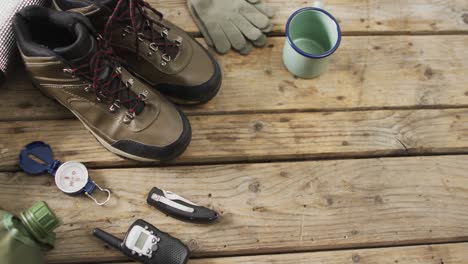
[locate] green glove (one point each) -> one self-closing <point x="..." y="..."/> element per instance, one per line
<point x="227" y="24"/>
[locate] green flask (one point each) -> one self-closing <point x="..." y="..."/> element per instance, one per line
<point x="23" y="238"/>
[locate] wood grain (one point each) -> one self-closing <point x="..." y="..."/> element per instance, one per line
<point x="366" y="73"/>
<point x="267" y="208"/>
<point x="264" y="114"/>
<point x="356" y="16"/>
<point x="235" y="138"/>
<point x="436" y="254"/>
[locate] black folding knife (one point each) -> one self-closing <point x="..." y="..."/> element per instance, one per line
<point x="180" y="208"/>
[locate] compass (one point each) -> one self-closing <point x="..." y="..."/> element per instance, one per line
<point x="71" y="177"/>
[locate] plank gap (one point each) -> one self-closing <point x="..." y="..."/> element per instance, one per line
<point x="93" y="166"/>
<point x="408" y="246"/>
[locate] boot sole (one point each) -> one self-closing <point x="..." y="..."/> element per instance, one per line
<point x="130" y="156"/>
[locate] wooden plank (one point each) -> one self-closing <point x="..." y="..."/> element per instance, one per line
<point x="366" y="73"/>
<point x="356" y="16"/>
<point x="235" y="138"/>
<point x="267" y="208"/>
<point x="435" y="254"/>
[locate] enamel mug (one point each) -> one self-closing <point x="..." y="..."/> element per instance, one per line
<point x="312" y="36"/>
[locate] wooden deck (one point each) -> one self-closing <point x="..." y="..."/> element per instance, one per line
<point x="366" y="164"/>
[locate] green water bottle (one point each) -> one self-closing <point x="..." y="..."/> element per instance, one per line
<point x="23" y="239"/>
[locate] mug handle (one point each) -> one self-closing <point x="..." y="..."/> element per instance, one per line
<point x="318" y="4"/>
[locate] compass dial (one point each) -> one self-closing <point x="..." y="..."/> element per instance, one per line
<point x="71" y="177"/>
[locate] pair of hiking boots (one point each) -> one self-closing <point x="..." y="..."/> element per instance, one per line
<point x="108" y="61"/>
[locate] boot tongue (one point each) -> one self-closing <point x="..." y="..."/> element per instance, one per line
<point x="112" y="4"/>
<point x="140" y="18"/>
<point x="80" y="53"/>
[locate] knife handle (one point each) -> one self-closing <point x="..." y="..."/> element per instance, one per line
<point x="180" y="208"/>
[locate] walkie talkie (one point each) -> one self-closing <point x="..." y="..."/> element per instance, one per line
<point x="147" y="244"/>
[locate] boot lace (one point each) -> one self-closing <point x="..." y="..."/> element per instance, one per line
<point x="104" y="72"/>
<point x="145" y="28"/>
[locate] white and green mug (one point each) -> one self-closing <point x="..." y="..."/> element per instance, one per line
<point x="312" y="36"/>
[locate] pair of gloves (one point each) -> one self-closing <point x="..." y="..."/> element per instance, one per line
<point x="237" y="24"/>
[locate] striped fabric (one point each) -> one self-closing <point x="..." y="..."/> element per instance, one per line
<point x="8" y="8"/>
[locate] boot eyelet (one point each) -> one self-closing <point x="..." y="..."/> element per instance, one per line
<point x="112" y="109"/>
<point x="115" y="106"/>
<point x="143" y="95"/>
<point x="141" y="37"/>
<point x="165" y="59"/>
<point x="165" y="33"/>
<point x="178" y="41"/>
<point x="69" y="71"/>
<point x="153" y="47"/>
<point x="88" y="88"/>
<point x="129" y="116"/>
<point x="130" y="82"/>
<point x="127" y="30"/>
<point x="100" y="97"/>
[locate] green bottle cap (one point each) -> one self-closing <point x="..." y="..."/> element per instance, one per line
<point x="40" y="222"/>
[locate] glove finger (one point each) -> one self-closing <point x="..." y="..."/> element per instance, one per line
<point x="220" y="40"/>
<point x="261" y="42"/>
<point x="268" y="29"/>
<point x="257" y="18"/>
<point x="247" y="49"/>
<point x="265" y="9"/>
<point x="234" y="35"/>
<point x="201" y="26"/>
<point x="249" y="31"/>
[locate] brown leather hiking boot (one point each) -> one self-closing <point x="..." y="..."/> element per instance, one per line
<point x="157" y="51"/>
<point x="69" y="62"/>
